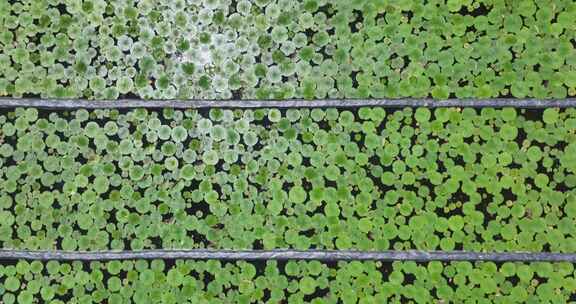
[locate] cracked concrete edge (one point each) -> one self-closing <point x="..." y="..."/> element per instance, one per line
<point x="296" y="103"/>
<point x="320" y="255"/>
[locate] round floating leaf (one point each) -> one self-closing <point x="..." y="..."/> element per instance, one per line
<point x="307" y="285"/>
<point x="147" y="277"/>
<point x="508" y="114"/>
<point x="210" y="157"/>
<point x="534" y="153"/>
<point x="550" y="116"/>
<point x="422" y="115"/>
<point x="187" y="172"/>
<point x="179" y="134"/>
<point x="508" y="132"/>
<point x="274" y="115"/>
<point x="541" y="181"/>
<point x="114" y="284"/>
<point x="12" y="284"/>
<point x="297" y="195"/>
<point x="136" y="173"/>
<point x="101" y="184"/>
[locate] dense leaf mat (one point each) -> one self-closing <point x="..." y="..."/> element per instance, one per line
<point x="218" y="49"/>
<point x="449" y="179"/>
<point x="292" y="282"/>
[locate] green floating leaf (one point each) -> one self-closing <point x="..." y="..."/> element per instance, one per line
<point x="550" y="116"/>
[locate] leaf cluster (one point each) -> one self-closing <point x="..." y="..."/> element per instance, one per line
<point x="157" y="281"/>
<point x="369" y="179"/>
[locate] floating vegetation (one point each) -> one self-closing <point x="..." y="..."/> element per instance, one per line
<point x="367" y="179"/>
<point x="282" y="49"/>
